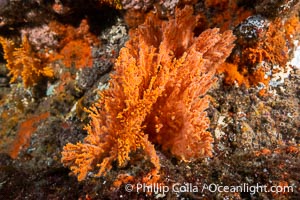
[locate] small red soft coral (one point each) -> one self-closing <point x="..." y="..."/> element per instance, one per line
<point x="77" y="52"/>
<point x="75" y="46"/>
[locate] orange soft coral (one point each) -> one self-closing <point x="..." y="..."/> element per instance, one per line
<point x="115" y="3"/>
<point x="232" y="74"/>
<point x="77" y="53"/>
<point x="156" y="94"/>
<point x="24" y="62"/>
<point x="75" y="46"/>
<point x="292" y="27"/>
<point x="251" y="65"/>
<point x="229" y="13"/>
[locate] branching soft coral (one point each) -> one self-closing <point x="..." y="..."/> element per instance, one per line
<point x="24" y="62"/>
<point x="156" y="94"/>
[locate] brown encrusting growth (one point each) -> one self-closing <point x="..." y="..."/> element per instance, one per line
<point x="156" y="96"/>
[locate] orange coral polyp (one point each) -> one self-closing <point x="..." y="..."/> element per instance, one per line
<point x="154" y="96"/>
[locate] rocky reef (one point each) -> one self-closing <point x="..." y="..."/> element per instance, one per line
<point x="172" y="99"/>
